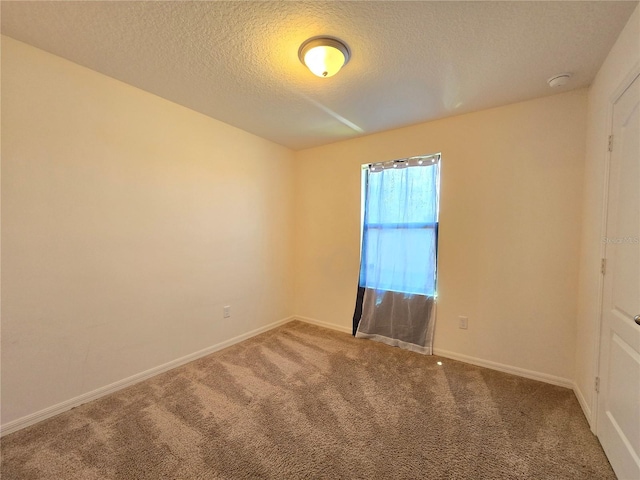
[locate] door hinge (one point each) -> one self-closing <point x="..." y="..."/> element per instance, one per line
<point x="597" y="384"/>
<point x="603" y="266"/>
<point x="610" y="143"/>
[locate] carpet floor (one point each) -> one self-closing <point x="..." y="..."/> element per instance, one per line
<point x="300" y="402"/>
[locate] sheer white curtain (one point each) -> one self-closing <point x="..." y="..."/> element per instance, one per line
<point x="399" y="253"/>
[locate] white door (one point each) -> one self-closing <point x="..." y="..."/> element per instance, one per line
<point x="618" y="423"/>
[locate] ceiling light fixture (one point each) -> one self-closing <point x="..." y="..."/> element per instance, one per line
<point x="324" y="56"/>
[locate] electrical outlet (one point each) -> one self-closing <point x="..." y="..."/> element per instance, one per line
<point x="226" y="311"/>
<point x="463" y="322"/>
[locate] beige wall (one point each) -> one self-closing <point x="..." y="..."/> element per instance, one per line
<point x="509" y="232"/>
<point x="621" y="61"/>
<point x="127" y="223"/>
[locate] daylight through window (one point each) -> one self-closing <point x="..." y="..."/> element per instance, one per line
<point x="400" y="225"/>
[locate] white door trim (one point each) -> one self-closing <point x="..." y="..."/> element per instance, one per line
<point x="613" y="98"/>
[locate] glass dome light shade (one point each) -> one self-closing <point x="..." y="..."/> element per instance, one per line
<point x="324" y="56"/>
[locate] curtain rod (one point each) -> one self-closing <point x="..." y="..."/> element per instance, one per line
<point x="419" y="160"/>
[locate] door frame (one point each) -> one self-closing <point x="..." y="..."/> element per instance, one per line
<point x="622" y="87"/>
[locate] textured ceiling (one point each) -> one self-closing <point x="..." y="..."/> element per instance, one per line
<point x="411" y="61"/>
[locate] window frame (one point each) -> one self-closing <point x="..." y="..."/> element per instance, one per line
<point x="365" y="171"/>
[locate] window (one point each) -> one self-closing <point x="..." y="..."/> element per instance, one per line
<point x="400" y="225"/>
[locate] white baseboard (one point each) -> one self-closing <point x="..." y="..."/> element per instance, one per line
<point x="586" y="409"/>
<point x="521" y="372"/>
<point x="48" y="412"/>
<point x="319" y="323"/>
<point x="53" y="410"/>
